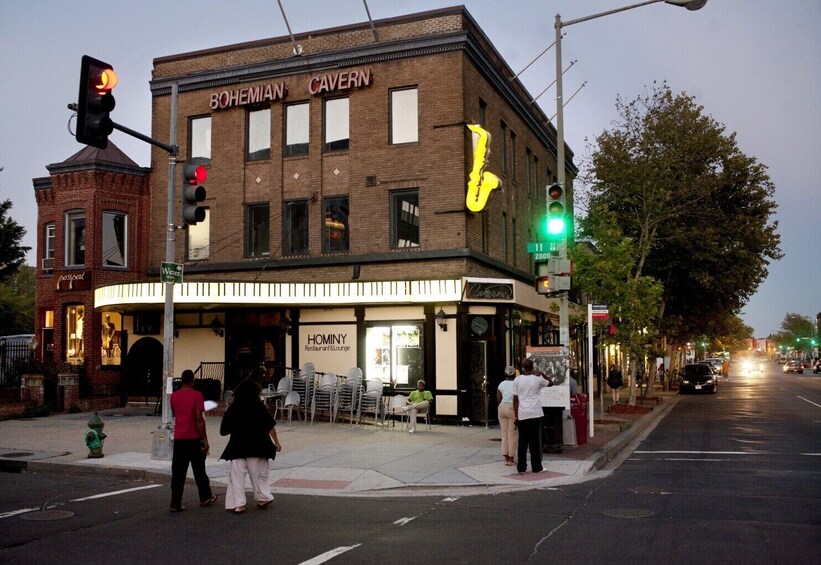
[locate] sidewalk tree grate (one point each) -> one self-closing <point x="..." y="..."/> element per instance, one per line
<point x="45" y="515"/>
<point x="629" y="513"/>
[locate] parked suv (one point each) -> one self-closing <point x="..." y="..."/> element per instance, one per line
<point x="698" y="377"/>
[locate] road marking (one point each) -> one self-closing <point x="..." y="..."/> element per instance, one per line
<point x="403" y="521"/>
<point x="114" y="493"/>
<point x="810" y="401"/>
<point x="328" y="555"/>
<point x="16" y="512"/>
<point x="450" y="499"/>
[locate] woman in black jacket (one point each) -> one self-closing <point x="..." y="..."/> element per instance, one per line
<point x="253" y="442"/>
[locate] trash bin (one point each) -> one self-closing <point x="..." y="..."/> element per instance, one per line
<point x="552" y="435"/>
<point x="578" y="410"/>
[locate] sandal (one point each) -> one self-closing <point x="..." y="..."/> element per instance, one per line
<point x="264" y="505"/>
<point x="239" y="510"/>
<point x="175" y="509"/>
<point x="210" y="501"/>
<point x="509" y="463"/>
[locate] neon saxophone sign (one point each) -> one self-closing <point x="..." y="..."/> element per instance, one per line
<point x="480" y="182"/>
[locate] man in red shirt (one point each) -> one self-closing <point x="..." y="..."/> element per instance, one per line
<point x="190" y="443"/>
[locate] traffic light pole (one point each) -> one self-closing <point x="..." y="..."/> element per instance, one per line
<point x="564" y="316"/>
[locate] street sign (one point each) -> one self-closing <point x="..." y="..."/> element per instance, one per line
<point x="541" y="256"/>
<point x="600" y="312"/>
<point x="171" y="272"/>
<point x="542" y="247"/>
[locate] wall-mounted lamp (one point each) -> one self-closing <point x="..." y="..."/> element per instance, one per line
<point x="441" y="321"/>
<point x="287" y="325"/>
<point x="216" y="327"/>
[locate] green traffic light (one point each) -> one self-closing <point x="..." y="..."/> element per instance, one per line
<point x="555" y="226"/>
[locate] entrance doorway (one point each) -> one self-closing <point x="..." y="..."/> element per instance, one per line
<point x="143" y="371"/>
<point x="255" y="348"/>
<point x="479" y="382"/>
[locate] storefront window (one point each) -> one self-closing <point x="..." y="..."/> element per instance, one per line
<point x="111" y="329"/>
<point x="394" y="354"/>
<point x="74" y="334"/>
<point x="114" y="239"/>
<point x="75" y="238"/>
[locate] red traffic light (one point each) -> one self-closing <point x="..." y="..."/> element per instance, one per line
<point x="554" y="192"/>
<point x="195" y="174"/>
<point x="106" y="80"/>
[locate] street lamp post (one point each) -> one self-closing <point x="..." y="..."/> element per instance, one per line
<point x="564" y="318"/>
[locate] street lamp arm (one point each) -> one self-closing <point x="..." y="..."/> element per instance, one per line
<point x="689" y="4"/>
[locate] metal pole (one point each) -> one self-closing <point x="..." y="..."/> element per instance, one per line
<point x="170" y="241"/>
<point x="564" y="318"/>
<point x="590" y="370"/>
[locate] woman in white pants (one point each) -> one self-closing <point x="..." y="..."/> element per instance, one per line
<point x="253" y="442"/>
<point x="507" y="417"/>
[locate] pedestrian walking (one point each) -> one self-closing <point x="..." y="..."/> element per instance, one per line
<point x="507" y="417"/>
<point x="527" y="408"/>
<point x="615" y="382"/>
<point x="252" y="443"/>
<point x="190" y="443"/>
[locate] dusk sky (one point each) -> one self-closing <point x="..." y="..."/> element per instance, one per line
<point x="755" y="66"/>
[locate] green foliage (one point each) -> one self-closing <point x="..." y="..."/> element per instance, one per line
<point x="17" y="299"/>
<point x="695" y="209"/>
<point x="12" y="254"/>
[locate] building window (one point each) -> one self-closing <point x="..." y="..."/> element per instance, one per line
<point x="535" y="177"/>
<point x="73" y="327"/>
<point x="513" y="231"/>
<point x="503" y="147"/>
<point x="257" y="224"/>
<point x="482" y="113"/>
<point x="295" y="228"/>
<point x="110" y="335"/>
<point x="199" y="238"/>
<point x="505" y="236"/>
<point x="405" y="219"/>
<point x="513" y="156"/>
<point x="337" y="124"/>
<point x="75" y="239"/>
<point x="404" y="116"/>
<point x="485" y="234"/>
<point x="336" y="234"/>
<point x="199" y="141"/>
<point x="529" y="171"/>
<point x="115" y="239"/>
<point x="259" y="135"/>
<point x="394" y="354"/>
<point x="296" y="129"/>
<point x="49" y="239"/>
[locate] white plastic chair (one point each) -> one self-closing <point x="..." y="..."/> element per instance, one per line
<point x="324" y="398"/>
<point x="303" y="383"/>
<point x="372" y="401"/>
<point x="397" y="403"/>
<point x="283" y="388"/>
<point x="289" y="403"/>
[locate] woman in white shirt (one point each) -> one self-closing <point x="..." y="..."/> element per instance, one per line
<point x="510" y="435"/>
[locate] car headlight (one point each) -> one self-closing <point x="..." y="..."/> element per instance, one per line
<point x="685" y="381"/>
<point x="710" y="380"/>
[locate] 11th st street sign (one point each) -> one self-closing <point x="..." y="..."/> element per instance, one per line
<point x="543" y="247"/>
<point x="171" y="272"/>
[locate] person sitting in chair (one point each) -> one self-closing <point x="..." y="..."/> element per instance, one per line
<point x="420" y="399"/>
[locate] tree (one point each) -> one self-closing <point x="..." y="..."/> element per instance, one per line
<point x="17" y="298"/>
<point x="12" y="254"/>
<point x="695" y="207"/>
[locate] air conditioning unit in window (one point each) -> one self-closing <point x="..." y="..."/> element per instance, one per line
<point x="48" y="264"/>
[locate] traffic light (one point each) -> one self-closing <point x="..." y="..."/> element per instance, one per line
<point x="556" y="221"/>
<point x="193" y="193"/>
<point x="94" y="102"/>
<point x="543" y="285"/>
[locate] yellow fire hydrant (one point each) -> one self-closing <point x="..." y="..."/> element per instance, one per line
<point x="95" y="437"/>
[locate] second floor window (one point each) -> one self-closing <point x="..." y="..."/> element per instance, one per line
<point x="336" y="235"/>
<point x="256" y="230"/>
<point x="199" y="142"/>
<point x="75" y="238"/>
<point x="337" y="124"/>
<point x="114" y="239"/>
<point x="259" y="135"/>
<point x="404" y="116"/>
<point x="297" y="135"/>
<point x="295" y="228"/>
<point x="50" y="238"/>
<point x="405" y="219"/>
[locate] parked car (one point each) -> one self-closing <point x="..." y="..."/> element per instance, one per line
<point x="794" y="366"/>
<point x="716" y="363"/>
<point x="817" y="367"/>
<point x="698" y="377"/>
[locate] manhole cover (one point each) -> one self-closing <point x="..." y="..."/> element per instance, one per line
<point x="17" y="454"/>
<point x="628" y="513"/>
<point x="47" y="515"/>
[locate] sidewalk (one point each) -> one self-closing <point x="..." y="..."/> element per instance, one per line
<point x="325" y="459"/>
